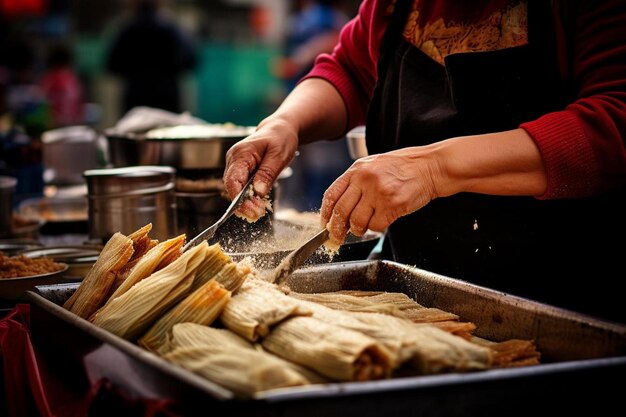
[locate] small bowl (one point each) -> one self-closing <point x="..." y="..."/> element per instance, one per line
<point x="15" y="288"/>
<point x="14" y="246"/>
<point x="79" y="258"/>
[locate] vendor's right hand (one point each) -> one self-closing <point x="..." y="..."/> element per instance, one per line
<point x="269" y="150"/>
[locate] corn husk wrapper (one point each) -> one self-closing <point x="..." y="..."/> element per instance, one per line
<point x="347" y="302"/>
<point x="392" y="304"/>
<point x="233" y="275"/>
<point x="338" y="353"/>
<point x="258" y="306"/>
<point x="194" y="334"/>
<point x="156" y="258"/>
<point x="141" y="244"/>
<point x="202" y="306"/>
<point x="426" y="351"/>
<point x="129" y="315"/>
<point x="426" y="348"/>
<point x="241" y="370"/>
<point x="212" y="264"/>
<point x="94" y="288"/>
<point x="185" y="335"/>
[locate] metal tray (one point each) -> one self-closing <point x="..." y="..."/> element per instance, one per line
<point x="581" y="356"/>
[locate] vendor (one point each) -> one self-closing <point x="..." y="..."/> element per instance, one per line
<point x="496" y="140"/>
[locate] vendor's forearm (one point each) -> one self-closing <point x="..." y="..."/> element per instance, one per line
<point x="315" y="109"/>
<point x="503" y="163"/>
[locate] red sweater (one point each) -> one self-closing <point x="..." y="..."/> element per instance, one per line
<point x="582" y="145"/>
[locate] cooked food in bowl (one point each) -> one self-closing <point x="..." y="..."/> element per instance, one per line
<point x="22" y="266"/>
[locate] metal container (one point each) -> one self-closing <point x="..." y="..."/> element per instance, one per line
<point x="582" y="357"/>
<point x="200" y="152"/>
<point x="68" y="152"/>
<point x="126" y="199"/>
<point x="357" y="147"/>
<point x="7" y="192"/>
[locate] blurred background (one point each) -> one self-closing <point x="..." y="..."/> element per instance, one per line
<point x="70" y="63"/>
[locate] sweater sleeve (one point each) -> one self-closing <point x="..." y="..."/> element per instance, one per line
<point x="351" y="67"/>
<point x="583" y="146"/>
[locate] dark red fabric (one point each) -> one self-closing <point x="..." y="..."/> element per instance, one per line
<point x="31" y="390"/>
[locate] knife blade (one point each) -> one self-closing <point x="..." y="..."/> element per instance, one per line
<point x="209" y="232"/>
<point x="298" y="256"/>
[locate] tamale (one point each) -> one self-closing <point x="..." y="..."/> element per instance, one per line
<point x="152" y="261"/>
<point x="426" y="348"/>
<point x="511" y="353"/>
<point x="192" y="335"/>
<point x="141" y="247"/>
<point x="241" y="370"/>
<point x="131" y="313"/>
<point x="349" y="303"/>
<point x="256" y="307"/>
<point x="233" y="275"/>
<point x="94" y="288"/>
<point x="213" y="262"/>
<point x="335" y="352"/>
<point x="401" y="338"/>
<point x="202" y="306"/>
<point x="140" y="233"/>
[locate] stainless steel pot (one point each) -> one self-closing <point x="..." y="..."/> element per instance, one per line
<point x="201" y="152"/>
<point x="125" y="199"/>
<point x="68" y="152"/>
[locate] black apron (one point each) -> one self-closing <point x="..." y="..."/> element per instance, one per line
<point x="553" y="251"/>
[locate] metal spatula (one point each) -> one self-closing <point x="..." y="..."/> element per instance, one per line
<point x="208" y="233"/>
<point x="296" y="258"/>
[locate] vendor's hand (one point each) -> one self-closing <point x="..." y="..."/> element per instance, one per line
<point x="376" y="190"/>
<point x="270" y="149"/>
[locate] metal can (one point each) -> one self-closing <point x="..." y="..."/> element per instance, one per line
<point x="126" y="199"/>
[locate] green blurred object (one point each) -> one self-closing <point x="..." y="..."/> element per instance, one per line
<point x="235" y="83"/>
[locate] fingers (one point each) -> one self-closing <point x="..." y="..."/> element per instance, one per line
<point x="331" y="196"/>
<point x="360" y="217"/>
<point x="267" y="154"/>
<point x="340" y="219"/>
<point x="237" y="171"/>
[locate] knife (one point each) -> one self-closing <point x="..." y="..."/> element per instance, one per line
<point x="298" y="256"/>
<point x="209" y="232"/>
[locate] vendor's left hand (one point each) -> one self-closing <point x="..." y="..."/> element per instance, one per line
<point x="377" y="190"/>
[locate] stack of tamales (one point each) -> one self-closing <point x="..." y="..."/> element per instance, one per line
<point x="217" y="318"/>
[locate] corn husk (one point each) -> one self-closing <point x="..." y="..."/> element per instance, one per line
<point x="202" y="306"/>
<point x="94" y="288"/>
<point x="155" y="259"/>
<point x="212" y="264"/>
<point x="241" y="370"/>
<point x="185" y="335"/>
<point x="193" y="334"/>
<point x="130" y="314"/>
<point x="258" y="306"/>
<point x="233" y="275"/>
<point x="332" y="351"/>
<point x="426" y="348"/>
<point x="407" y="343"/>
<point x="346" y="302"/>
